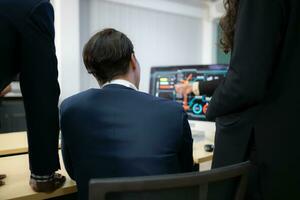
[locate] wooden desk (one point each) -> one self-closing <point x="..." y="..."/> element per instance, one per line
<point x="16" y="143"/>
<point x="199" y="154"/>
<point x="13" y="143"/>
<point x="16" y="168"/>
<point x="17" y="182"/>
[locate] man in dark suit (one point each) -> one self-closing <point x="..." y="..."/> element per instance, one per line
<point x="117" y="131"/>
<point x="257" y="107"/>
<point x="27" y="48"/>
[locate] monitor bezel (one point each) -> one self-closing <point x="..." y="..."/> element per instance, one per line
<point x="178" y="67"/>
<point x="183" y="67"/>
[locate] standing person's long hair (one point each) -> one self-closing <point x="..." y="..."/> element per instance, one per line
<point x="227" y="24"/>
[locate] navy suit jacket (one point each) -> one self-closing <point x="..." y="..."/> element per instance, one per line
<point x="258" y="104"/>
<point x="119" y="132"/>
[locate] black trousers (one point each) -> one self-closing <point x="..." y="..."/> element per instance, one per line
<point x="41" y="107"/>
<point x="226" y="190"/>
<point x="27" y="48"/>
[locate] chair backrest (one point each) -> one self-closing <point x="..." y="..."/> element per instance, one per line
<point x="184" y="186"/>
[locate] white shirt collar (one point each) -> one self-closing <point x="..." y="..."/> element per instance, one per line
<point x="121" y="82"/>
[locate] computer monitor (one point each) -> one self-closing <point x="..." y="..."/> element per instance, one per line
<point x="162" y="84"/>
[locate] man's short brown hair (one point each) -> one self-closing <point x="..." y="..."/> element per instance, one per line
<point x="107" y="55"/>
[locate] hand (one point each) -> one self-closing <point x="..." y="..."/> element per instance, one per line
<point x="5" y="91"/>
<point x="2" y="176"/>
<point x="48" y="186"/>
<point x="184" y="88"/>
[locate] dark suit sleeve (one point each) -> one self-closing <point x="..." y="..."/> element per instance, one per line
<point x="256" y="45"/>
<point x="208" y="87"/>
<point x="40" y="88"/>
<point x="186" y="151"/>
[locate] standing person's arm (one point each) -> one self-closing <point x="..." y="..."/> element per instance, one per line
<point x="40" y="90"/>
<point x="198" y="88"/>
<point x="5" y="91"/>
<point x="256" y="45"/>
<point x="206" y="87"/>
<point x="186" y="151"/>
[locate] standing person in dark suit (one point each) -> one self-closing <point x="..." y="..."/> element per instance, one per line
<point x="117" y="131"/>
<point x="27" y="48"/>
<point x="257" y="107"/>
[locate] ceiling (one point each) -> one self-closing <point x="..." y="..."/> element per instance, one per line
<point x="189" y="2"/>
<point x="196" y="3"/>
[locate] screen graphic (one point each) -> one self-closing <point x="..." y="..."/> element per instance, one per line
<point x="164" y="79"/>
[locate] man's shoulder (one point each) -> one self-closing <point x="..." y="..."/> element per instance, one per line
<point x="140" y="99"/>
<point x="162" y="102"/>
<point x="77" y="99"/>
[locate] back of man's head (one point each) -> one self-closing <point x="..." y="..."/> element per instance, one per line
<point x="107" y="55"/>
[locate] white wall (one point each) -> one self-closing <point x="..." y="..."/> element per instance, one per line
<point x="160" y="38"/>
<point x="67" y="45"/>
<point x="163" y="34"/>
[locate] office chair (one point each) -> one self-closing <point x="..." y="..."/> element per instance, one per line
<point x="185" y="186"/>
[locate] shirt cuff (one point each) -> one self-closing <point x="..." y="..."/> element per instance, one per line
<point x="196" y="89"/>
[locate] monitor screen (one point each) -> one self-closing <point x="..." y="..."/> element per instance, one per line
<point x="164" y="79"/>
